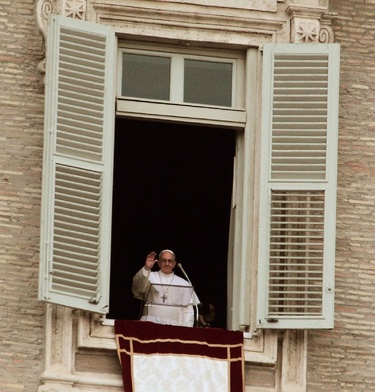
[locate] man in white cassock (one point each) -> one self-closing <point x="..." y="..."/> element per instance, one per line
<point x="168" y="299"/>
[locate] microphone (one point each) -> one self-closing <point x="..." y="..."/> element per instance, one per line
<point x="179" y="265"/>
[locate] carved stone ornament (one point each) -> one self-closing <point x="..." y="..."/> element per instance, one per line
<point x="310" y="25"/>
<point x="313" y="31"/>
<point x="306" y="31"/>
<point x="44" y="8"/>
<point x="326" y="34"/>
<point x="75" y="9"/>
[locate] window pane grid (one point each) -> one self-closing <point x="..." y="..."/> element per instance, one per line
<point x="178" y="78"/>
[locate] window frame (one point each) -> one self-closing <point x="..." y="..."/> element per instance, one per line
<point x="244" y="257"/>
<point x="175" y="109"/>
<point x="177" y="70"/>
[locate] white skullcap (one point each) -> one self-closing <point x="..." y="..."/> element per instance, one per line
<point x="167" y="250"/>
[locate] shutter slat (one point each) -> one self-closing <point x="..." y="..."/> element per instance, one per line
<point x="302" y="80"/>
<point x="291" y="211"/>
<point x="81" y="74"/>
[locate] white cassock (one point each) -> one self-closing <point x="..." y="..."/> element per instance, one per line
<point x="168" y="299"/>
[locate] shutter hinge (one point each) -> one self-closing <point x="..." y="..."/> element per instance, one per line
<point x="272" y="320"/>
<point x="94" y="300"/>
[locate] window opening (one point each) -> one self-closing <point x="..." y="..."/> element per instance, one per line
<point x="172" y="189"/>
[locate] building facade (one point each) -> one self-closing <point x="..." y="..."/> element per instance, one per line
<point x="62" y="340"/>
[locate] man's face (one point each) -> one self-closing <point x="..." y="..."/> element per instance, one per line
<point x="166" y="262"/>
<point x="210" y="316"/>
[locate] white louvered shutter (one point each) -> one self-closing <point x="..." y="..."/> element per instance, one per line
<point x="298" y="186"/>
<point x="77" y="167"/>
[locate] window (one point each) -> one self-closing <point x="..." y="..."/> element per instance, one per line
<point x="179" y="78"/>
<point x="208" y="82"/>
<point x="172" y="188"/>
<point x="169" y="84"/>
<point x="146" y="76"/>
<point x="294" y="254"/>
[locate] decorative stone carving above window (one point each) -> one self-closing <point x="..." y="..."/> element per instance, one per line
<point x="310" y="24"/>
<point x="326" y="33"/>
<point x="43" y="10"/>
<point x="307" y="31"/>
<point x="179" y="22"/>
<point x="75" y="9"/>
<point x="256" y="5"/>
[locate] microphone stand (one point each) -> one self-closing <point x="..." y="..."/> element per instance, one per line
<point x="179" y="265"/>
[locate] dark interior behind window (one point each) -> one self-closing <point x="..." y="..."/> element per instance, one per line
<point x="172" y="189"/>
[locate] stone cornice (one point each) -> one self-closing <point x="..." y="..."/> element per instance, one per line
<point x="305" y="11"/>
<point x="167" y="19"/>
<point x="194" y="23"/>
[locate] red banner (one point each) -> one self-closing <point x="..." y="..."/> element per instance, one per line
<point x="167" y="358"/>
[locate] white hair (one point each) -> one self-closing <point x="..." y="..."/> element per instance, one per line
<point x="167" y="250"/>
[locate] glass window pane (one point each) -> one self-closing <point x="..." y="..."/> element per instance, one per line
<point x="146" y="76"/>
<point x="208" y="82"/>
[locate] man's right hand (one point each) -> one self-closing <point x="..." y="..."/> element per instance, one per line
<point x="150" y="261"/>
